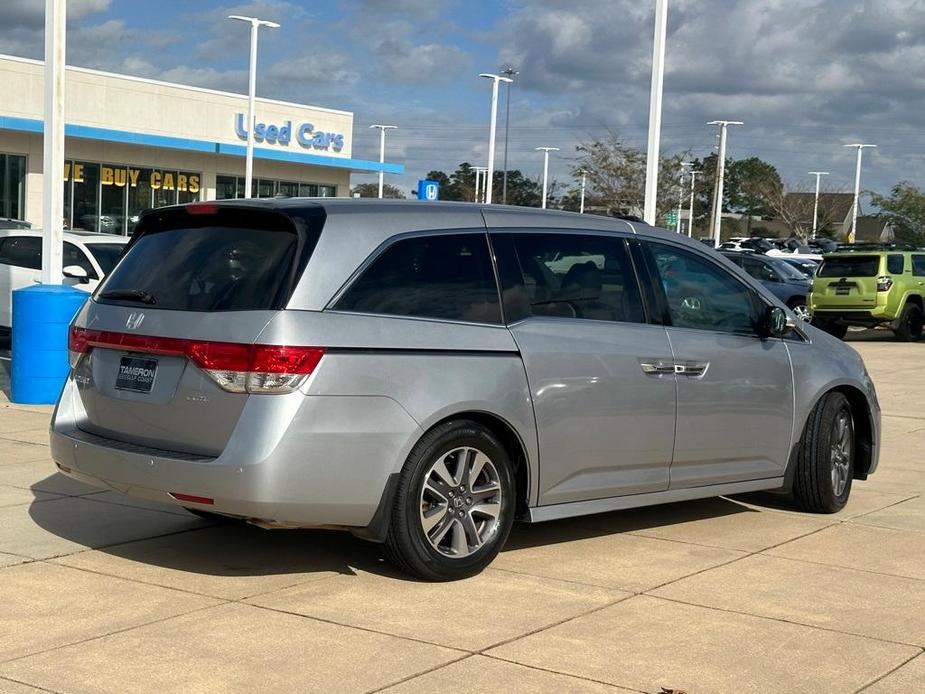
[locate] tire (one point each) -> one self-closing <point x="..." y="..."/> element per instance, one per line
<point x="825" y="460"/>
<point x="799" y="307"/>
<point x="909" y="325"/>
<point x="834" y="329"/>
<point x="453" y="546"/>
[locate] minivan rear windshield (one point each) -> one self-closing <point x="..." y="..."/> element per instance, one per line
<point x="850" y="266"/>
<point x="231" y="260"/>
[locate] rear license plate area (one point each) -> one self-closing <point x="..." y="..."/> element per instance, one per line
<point x="136" y="374"/>
<point x="842" y="291"/>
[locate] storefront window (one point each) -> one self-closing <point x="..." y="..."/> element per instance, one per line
<point x="139" y="195"/>
<point x="225" y="187"/>
<point x="86" y="177"/>
<point x="308" y="190"/>
<point x="328" y="191"/>
<point x="289" y="188"/>
<point x="12" y="185"/>
<point x="188" y="187"/>
<point x="265" y="188"/>
<point x="113" y="182"/>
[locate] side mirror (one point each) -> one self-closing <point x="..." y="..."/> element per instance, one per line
<point x="773" y="323"/>
<point x="75" y="272"/>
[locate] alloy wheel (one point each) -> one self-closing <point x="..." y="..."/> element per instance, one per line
<point x="801" y="312"/>
<point x="460" y="502"/>
<point x="841" y="451"/>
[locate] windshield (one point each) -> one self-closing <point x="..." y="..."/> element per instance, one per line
<point x="850" y="266"/>
<point x="106" y="254"/>
<point x="786" y="270"/>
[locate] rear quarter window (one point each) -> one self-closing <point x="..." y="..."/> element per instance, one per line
<point x="236" y="259"/>
<point x="446" y="276"/>
<point x="895" y="264"/>
<point x="850" y="266"/>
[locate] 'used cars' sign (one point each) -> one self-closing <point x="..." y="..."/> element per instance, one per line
<point x="305" y="134"/>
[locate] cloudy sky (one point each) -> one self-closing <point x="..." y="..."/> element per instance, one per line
<point x="806" y="76"/>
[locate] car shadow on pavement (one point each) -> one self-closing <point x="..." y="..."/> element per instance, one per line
<point x="139" y="532"/>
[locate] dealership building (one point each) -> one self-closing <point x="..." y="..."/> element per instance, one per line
<point x="132" y="144"/>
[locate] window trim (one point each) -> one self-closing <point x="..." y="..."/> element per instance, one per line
<point x="627" y="239"/>
<point x="383" y="247"/>
<point x="655" y="280"/>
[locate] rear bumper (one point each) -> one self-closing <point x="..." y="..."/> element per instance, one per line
<point x="867" y="319"/>
<point x="326" y="461"/>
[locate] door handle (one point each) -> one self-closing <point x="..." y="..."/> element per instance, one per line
<point x="692" y="369"/>
<point x="657" y="367"/>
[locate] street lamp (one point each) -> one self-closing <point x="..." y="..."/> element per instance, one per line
<point x="684" y="165"/>
<point x="495" y="79"/>
<point x="480" y="182"/>
<point x="251" y="95"/>
<point x="818" y="175"/>
<point x="507" y="72"/>
<point x="721" y="177"/>
<point x="581" y="208"/>
<point x="857" y="191"/>
<point x="690" y="218"/>
<point x="382" y="129"/>
<point x="546" y="151"/>
<point x="53" y="143"/>
<point x="655" y="109"/>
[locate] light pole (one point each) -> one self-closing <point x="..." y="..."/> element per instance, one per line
<point x="684" y="165"/>
<point x="818" y="175"/>
<point x="655" y="109"/>
<point x="251" y="95"/>
<point x="53" y="144"/>
<point x="581" y="209"/>
<point x="382" y="129"/>
<point x="721" y="177"/>
<point x="495" y="79"/>
<point x="690" y="219"/>
<point x="546" y="151"/>
<point x="857" y="191"/>
<point x="507" y="72"/>
<point x="480" y="172"/>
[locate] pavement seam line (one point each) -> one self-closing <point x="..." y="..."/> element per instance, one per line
<point x="29" y="684"/>
<point x="111" y="633"/>
<point x="888" y="673"/>
<point x="420" y="674"/>
<point x="841" y="566"/>
<point x="784" y="621"/>
<point x="564" y="674"/>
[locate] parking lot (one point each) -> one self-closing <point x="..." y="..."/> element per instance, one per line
<point x="101" y="593"/>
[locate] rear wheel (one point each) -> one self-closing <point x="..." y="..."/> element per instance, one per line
<point x="909" y="327"/>
<point x="799" y="308"/>
<point x="825" y="461"/>
<point x="454" y="505"/>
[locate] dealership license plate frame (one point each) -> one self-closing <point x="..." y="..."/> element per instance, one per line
<point x="136" y="381"/>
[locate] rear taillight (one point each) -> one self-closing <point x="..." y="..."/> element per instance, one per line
<point x="884" y="283"/>
<point x="235" y="367"/>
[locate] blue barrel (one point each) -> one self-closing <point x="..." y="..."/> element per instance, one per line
<point x="41" y="316"/>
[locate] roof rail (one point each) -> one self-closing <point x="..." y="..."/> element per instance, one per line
<point x="875" y="246"/>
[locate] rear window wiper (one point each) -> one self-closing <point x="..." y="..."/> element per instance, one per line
<point x="139" y="295"/>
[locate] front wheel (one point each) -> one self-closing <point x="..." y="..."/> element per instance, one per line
<point x="799" y="308"/>
<point x="454" y="505"/>
<point x="909" y="327"/>
<point x="825" y="461"/>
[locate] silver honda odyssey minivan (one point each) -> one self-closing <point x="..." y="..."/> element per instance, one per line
<point x="424" y="374"/>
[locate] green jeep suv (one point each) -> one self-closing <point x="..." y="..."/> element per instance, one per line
<point x="869" y="289"/>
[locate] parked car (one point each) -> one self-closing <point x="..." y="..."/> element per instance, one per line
<point x="806" y="267"/>
<point x="756" y="245"/>
<point x="869" y="289"/>
<point x="7" y="223"/>
<point x="423" y="374"/>
<point x="786" y="282"/>
<point x="87" y="259"/>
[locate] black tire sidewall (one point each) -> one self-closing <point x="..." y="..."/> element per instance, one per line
<point x="910" y="314"/>
<point x="820" y="452"/>
<point x="407" y="535"/>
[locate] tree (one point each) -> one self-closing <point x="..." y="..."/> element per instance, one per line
<point x="750" y="182"/>
<point x="460" y="186"/>
<point x="616" y="177"/>
<point x="371" y="190"/>
<point x="904" y="210"/>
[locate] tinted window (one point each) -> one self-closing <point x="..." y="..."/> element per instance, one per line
<point x="573" y="276"/>
<point x="106" y="254"/>
<point x="850" y="266"/>
<point x="74" y="256"/>
<point x="236" y="260"/>
<point x="21" y="251"/>
<point x="759" y="270"/>
<point x="446" y="276"/>
<point x="895" y="264"/>
<point x="701" y="294"/>
<point x="918" y="265"/>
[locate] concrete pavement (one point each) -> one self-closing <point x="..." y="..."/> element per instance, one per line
<point x="99" y="593"/>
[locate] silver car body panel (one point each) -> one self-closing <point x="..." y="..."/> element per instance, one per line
<point x="598" y="431"/>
